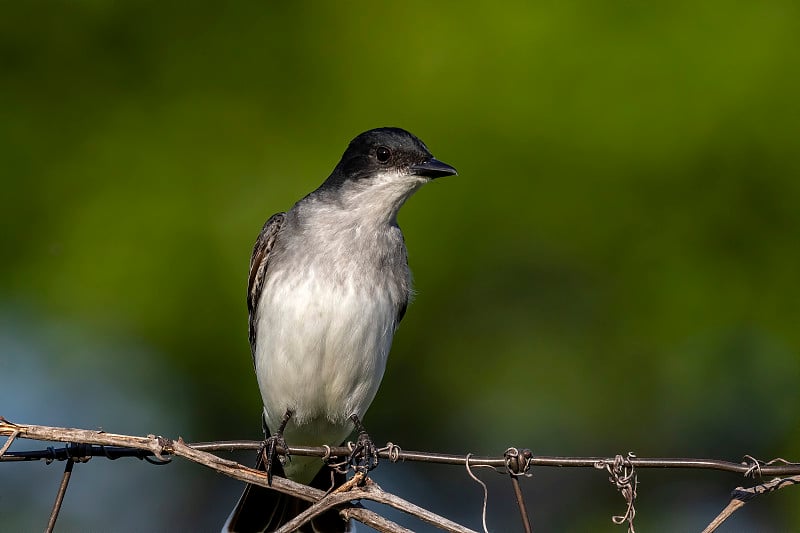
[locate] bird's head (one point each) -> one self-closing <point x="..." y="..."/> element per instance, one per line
<point x="387" y="156"/>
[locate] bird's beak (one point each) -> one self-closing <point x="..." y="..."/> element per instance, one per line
<point x="433" y="168"/>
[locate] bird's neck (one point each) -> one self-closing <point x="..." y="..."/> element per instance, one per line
<point x="374" y="201"/>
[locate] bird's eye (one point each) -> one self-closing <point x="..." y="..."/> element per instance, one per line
<point x="383" y="154"/>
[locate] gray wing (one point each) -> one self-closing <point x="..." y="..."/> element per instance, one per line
<point x="403" y="305"/>
<point x="259" y="262"/>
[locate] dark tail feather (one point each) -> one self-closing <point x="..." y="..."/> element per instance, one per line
<point x="261" y="509"/>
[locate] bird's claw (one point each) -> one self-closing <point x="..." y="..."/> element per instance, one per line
<point x="269" y="451"/>
<point x="364" y="456"/>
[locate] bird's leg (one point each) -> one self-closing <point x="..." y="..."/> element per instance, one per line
<point x="271" y="444"/>
<point x="364" y="456"/>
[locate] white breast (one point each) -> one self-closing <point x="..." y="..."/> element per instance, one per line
<point x="321" y="352"/>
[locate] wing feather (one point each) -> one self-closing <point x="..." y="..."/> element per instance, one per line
<point x="259" y="262"/>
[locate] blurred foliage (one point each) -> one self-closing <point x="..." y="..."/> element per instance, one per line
<point x="614" y="269"/>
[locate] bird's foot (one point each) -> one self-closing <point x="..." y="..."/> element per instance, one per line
<point x="275" y="444"/>
<point x="364" y="456"/>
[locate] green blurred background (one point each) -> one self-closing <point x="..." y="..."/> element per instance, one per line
<point x="615" y="268"/>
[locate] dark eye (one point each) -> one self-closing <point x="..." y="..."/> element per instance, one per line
<point x="383" y="154"/>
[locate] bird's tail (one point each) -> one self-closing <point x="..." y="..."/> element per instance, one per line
<point x="262" y="510"/>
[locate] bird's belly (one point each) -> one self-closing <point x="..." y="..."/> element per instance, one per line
<point x="321" y="352"/>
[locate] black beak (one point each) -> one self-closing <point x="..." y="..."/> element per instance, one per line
<point x="433" y="168"/>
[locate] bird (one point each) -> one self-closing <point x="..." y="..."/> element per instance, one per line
<point x="328" y="285"/>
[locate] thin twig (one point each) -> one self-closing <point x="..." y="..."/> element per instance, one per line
<point x="371" y="491"/>
<point x="742" y="495"/>
<point x="373" y="520"/>
<point x="62" y="490"/>
<point x="8" y="442"/>
<point x="523" y="511"/>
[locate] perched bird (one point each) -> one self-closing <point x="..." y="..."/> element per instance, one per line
<point x="329" y="284"/>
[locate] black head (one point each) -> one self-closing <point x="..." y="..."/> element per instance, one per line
<point x="384" y="150"/>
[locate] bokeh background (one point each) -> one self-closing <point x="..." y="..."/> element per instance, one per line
<point x="615" y="268"/>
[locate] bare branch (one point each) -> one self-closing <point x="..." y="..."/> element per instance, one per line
<point x="82" y="444"/>
<point x="742" y="495"/>
<point x="373" y="520"/>
<point x="371" y="491"/>
<point x="160" y="446"/>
